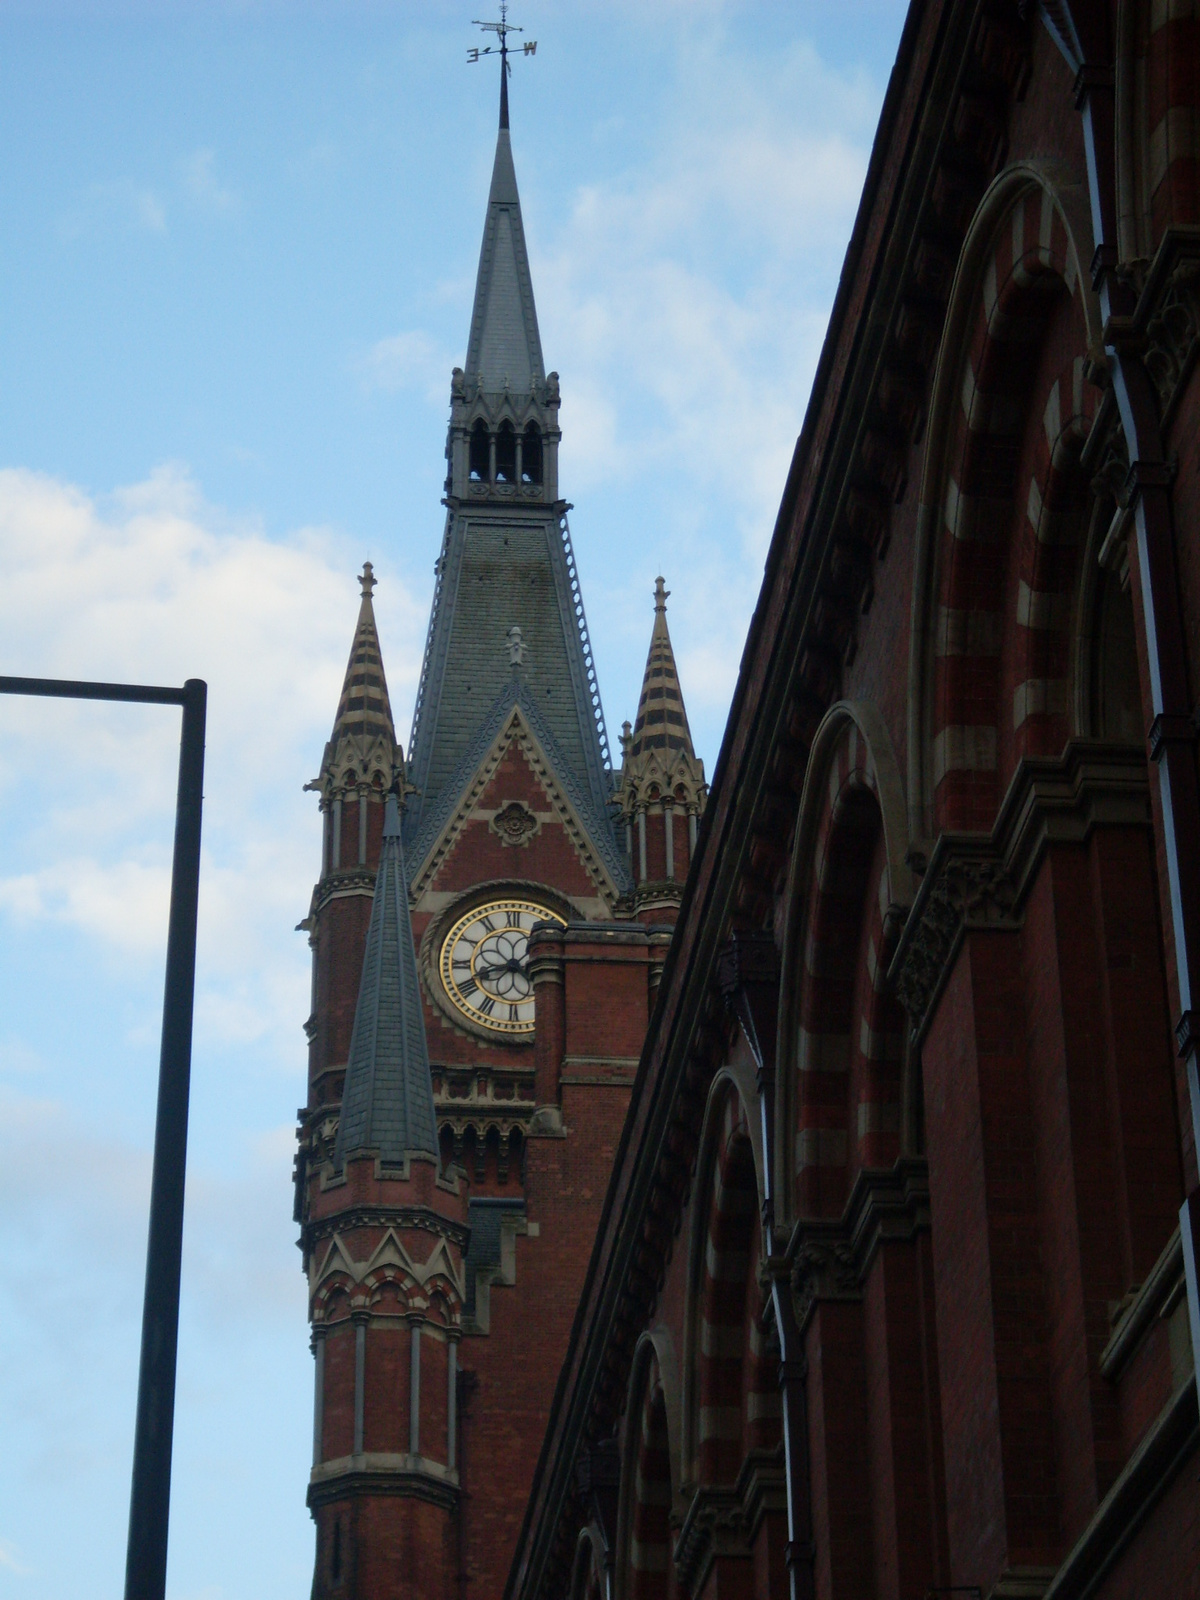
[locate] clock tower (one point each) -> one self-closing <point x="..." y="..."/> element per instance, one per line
<point x="537" y="924"/>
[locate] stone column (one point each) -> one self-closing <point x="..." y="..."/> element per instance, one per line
<point x="414" y="1393"/>
<point x="318" y="1345"/>
<point x="452" y="1403"/>
<point x="550" y="1036"/>
<point x="360" y="1376"/>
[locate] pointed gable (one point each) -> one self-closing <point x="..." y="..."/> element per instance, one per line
<point x="387" y="1101"/>
<point x="514" y="719"/>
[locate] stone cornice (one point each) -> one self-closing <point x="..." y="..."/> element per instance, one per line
<point x="1166" y="1448"/>
<point x="980" y="881"/>
<point x="340" y="884"/>
<point x="724" y="1522"/>
<point x="831" y="1260"/>
<point x="1157" y="1297"/>
<point x="366" y="1216"/>
<point x="376" y="1473"/>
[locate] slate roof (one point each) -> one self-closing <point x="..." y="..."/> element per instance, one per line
<point x="505" y="349"/>
<point x="501" y="569"/>
<point x="662" y="722"/>
<point x="387" y="1101"/>
<point x="505" y="564"/>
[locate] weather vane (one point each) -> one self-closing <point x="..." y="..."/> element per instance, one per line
<point x="501" y="48"/>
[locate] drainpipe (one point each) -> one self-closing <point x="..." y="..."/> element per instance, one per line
<point x="467" y="1383"/>
<point x="748" y="977"/>
<point x="1172" y="734"/>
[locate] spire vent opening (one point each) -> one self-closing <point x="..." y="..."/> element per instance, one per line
<point x="531" y="455"/>
<point x="506" y="454"/>
<point x="478" y="465"/>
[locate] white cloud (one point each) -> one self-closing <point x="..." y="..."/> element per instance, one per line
<point x="157" y="586"/>
<point x="205" y="188"/>
<point x="119" y="203"/>
<point x="10" y="1562"/>
<point x="685" y="300"/>
<point x="677" y="288"/>
<point x="411" y="360"/>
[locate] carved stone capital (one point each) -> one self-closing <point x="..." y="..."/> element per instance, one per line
<point x="725" y="1522"/>
<point x="965" y="886"/>
<point x="830" y="1260"/>
<point x="979" y="881"/>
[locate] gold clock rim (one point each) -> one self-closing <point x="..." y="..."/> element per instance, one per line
<point x="478" y="1018"/>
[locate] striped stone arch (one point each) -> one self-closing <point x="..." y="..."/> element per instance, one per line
<point x="1158" y="121"/>
<point x="1003" y="510"/>
<point x="648" y="1481"/>
<point x="336" y="1298"/>
<point x="589" y="1570"/>
<point x="841" y="1031"/>
<point x="731" y="1397"/>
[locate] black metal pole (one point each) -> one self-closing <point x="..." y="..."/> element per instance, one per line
<point x="150" y="1496"/>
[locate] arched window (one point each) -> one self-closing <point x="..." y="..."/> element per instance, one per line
<point x="531" y="455"/>
<point x="506" y="454"/>
<point x="479" y="453"/>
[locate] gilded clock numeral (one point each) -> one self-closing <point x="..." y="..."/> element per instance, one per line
<point x="484" y="965"/>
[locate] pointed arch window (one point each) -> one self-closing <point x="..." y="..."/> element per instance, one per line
<point x="478" y="462"/>
<point x="531" y="454"/>
<point x="506" y="454"/>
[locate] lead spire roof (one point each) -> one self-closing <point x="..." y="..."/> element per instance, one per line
<point x="387" y="1101"/>
<point x="506" y="558"/>
<point x="504" y="350"/>
<point x="364" y="709"/>
<point x="662" y="722"/>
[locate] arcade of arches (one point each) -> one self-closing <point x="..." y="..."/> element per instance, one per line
<point x="895" y="1294"/>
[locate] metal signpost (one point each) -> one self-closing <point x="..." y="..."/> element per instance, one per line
<point x="150" y="1494"/>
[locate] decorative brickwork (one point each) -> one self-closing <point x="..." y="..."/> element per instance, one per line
<point x="483" y="979"/>
<point x="932" y="1168"/>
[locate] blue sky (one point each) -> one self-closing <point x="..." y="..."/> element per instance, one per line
<point x="236" y="265"/>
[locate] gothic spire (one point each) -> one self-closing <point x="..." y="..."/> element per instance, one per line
<point x="505" y="349"/>
<point x="362" y="748"/>
<point x="506" y="558"/>
<point x="364" y="708"/>
<point x="662" y="722"/>
<point x="387" y="1101"/>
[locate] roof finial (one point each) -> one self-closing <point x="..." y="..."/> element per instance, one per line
<point x="516" y="648"/>
<point x="368" y="580"/>
<point x="660" y="594"/>
<point x="501" y="29"/>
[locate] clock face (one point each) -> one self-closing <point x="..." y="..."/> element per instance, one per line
<point x="484" y="964"/>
